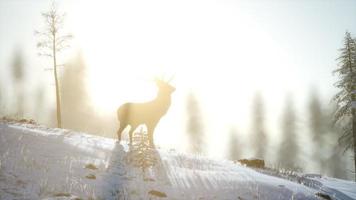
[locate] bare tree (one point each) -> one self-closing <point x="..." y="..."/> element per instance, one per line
<point x="51" y="42"/>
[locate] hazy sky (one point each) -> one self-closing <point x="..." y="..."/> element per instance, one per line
<point x="223" y="51"/>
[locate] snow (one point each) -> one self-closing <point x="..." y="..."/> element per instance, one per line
<point x="335" y="187"/>
<point x="42" y="163"/>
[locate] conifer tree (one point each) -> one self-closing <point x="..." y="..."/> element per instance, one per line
<point x="234" y="146"/>
<point x="141" y="154"/>
<point x="345" y="114"/>
<point x="317" y="126"/>
<point x="258" y="130"/>
<point x="74" y="96"/>
<point x="194" y="125"/>
<point x="288" y="152"/>
<point x="18" y="75"/>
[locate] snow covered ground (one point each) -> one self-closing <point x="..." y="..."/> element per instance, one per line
<point x="42" y="163"/>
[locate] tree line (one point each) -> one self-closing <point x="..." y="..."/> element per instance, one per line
<point x="331" y="130"/>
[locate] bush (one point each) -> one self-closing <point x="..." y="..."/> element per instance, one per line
<point x="141" y="154"/>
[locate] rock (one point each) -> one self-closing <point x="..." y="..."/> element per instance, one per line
<point x="148" y="179"/>
<point x="90" y="176"/>
<point x="157" y="193"/>
<point x="323" y="196"/>
<point x="91" y="166"/>
<point x="13" y="120"/>
<point x="134" y="192"/>
<point x="27" y="121"/>
<point x="257" y="163"/>
<point x="62" y="194"/>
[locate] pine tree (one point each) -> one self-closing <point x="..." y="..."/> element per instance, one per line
<point x="345" y="99"/>
<point x="141" y="154"/>
<point x="288" y="152"/>
<point x="317" y="126"/>
<point x="336" y="164"/>
<point x="258" y="131"/>
<point x="18" y="77"/>
<point x="335" y="161"/>
<point x="1" y="100"/>
<point x="194" y="125"/>
<point x="74" y="95"/>
<point x="39" y="102"/>
<point x="51" y="42"/>
<point x="234" y="146"/>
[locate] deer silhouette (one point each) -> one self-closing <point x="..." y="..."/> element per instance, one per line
<point x="148" y="113"/>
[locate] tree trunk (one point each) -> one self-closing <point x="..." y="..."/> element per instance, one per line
<point x="353" y="115"/>
<point x="58" y="99"/>
<point x="354" y="132"/>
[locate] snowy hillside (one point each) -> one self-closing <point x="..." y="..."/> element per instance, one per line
<point x="41" y="163"/>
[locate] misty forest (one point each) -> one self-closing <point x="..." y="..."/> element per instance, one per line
<point x="177" y="99"/>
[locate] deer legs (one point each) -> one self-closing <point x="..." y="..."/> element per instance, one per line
<point x="131" y="131"/>
<point x="122" y="128"/>
<point x="150" y="130"/>
<point x="119" y="132"/>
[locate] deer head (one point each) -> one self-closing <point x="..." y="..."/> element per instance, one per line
<point x="164" y="85"/>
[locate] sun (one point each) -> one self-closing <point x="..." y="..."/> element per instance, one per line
<point x="112" y="80"/>
<point x="110" y="87"/>
<point x="125" y="51"/>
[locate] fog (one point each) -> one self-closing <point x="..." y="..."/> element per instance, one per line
<point x="223" y="53"/>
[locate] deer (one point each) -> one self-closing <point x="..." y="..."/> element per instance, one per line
<point x="147" y="113"/>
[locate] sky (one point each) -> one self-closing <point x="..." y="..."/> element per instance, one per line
<point x="222" y="51"/>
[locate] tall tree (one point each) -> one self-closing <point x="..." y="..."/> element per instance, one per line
<point x="51" y="42"/>
<point x="75" y="99"/>
<point x="345" y="99"/>
<point x="258" y="136"/>
<point x="234" y="146"/>
<point x="18" y="78"/>
<point x="288" y="152"/>
<point x="194" y="125"/>
<point x="335" y="162"/>
<point x="317" y="126"/>
<point x="39" y="101"/>
<point x="78" y="113"/>
<point x="1" y="100"/>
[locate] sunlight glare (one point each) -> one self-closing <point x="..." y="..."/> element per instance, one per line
<point x="126" y="50"/>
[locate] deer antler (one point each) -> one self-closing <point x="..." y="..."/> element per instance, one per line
<point x="163" y="78"/>
<point x="171" y="78"/>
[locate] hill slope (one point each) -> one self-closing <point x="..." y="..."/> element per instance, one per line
<point x="41" y="163"/>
